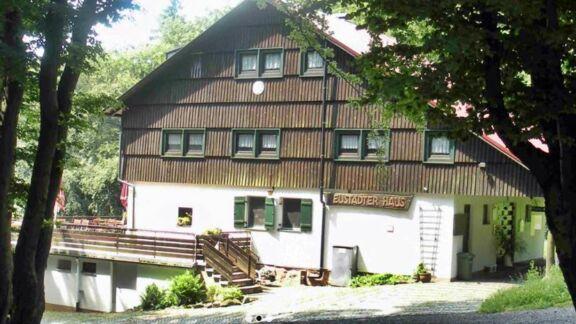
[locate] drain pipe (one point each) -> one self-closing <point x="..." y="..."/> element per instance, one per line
<point x="323" y="157"/>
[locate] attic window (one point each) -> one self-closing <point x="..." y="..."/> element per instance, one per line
<point x="438" y="147"/>
<point x="311" y="64"/>
<point x="259" y="63"/>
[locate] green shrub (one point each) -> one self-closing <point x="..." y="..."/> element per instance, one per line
<point x="220" y="294"/>
<point x="535" y="292"/>
<point x="153" y="298"/>
<point x="213" y="232"/>
<point x="368" y="280"/>
<point x="186" y="289"/>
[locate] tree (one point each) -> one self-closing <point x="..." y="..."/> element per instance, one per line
<point x="13" y="56"/>
<point x="511" y="65"/>
<point x="65" y="34"/>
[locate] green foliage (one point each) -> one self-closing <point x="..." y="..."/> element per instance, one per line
<point x="153" y="298"/>
<point x="368" y="280"/>
<point x="186" y="289"/>
<point x="536" y="291"/>
<point x="421" y="269"/>
<point x="91" y="172"/>
<point x="212" y="232"/>
<point x="220" y="294"/>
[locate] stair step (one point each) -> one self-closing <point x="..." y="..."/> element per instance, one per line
<point x="253" y="289"/>
<point x="242" y="282"/>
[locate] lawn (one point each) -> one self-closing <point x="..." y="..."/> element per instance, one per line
<point x="535" y="292"/>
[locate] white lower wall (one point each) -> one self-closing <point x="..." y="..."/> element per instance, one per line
<point x="482" y="243"/>
<point x="389" y="240"/>
<point x="60" y="286"/>
<point x="380" y="250"/>
<point x="156" y="208"/>
<point x="94" y="290"/>
<point x="146" y="275"/>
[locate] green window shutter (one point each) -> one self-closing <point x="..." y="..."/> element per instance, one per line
<point x="239" y="212"/>
<point x="306" y="215"/>
<point x="270" y="211"/>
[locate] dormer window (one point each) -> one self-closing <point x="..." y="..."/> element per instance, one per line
<point x="259" y="63"/>
<point x="311" y="64"/>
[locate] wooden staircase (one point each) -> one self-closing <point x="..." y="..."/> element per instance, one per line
<point x="230" y="262"/>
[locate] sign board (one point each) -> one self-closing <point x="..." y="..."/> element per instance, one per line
<point x="371" y="200"/>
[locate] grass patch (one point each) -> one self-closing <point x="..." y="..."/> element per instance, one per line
<point x="369" y="280"/>
<point x="535" y="292"/>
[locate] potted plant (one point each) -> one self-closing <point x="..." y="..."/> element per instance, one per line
<point x="423" y="274"/>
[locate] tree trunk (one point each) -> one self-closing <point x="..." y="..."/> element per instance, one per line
<point x="561" y="218"/>
<point x="14" y="68"/>
<point x="26" y="279"/>
<point x="550" y="252"/>
<point x="67" y="84"/>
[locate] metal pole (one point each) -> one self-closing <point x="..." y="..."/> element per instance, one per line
<point x="322" y="157"/>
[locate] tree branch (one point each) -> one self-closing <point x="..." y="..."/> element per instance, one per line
<point x="536" y="160"/>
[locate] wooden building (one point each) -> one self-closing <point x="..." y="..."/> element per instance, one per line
<point x="228" y="133"/>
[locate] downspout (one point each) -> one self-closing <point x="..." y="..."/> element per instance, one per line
<point x="121" y="163"/>
<point x="322" y="158"/>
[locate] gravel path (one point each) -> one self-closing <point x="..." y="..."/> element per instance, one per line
<point x="442" y="301"/>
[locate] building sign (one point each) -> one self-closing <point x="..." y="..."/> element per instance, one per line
<point x="371" y="200"/>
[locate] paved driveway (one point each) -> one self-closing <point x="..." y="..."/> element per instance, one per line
<point x="320" y="303"/>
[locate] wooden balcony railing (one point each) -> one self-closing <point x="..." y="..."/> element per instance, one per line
<point x="161" y="247"/>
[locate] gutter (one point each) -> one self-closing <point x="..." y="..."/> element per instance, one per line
<point x="322" y="160"/>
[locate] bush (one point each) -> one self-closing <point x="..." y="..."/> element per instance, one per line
<point x="186" y="289"/>
<point x="153" y="298"/>
<point x="535" y="292"/>
<point x="368" y="280"/>
<point x="221" y="294"/>
<point x="213" y="232"/>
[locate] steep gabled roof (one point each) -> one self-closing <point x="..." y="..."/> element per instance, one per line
<point x="342" y="34"/>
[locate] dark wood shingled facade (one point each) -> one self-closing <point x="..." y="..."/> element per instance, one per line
<point x="218" y="102"/>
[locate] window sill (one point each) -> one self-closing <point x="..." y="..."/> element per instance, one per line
<point x="438" y="161"/>
<point x="366" y="160"/>
<point x="290" y="230"/>
<point x="312" y="74"/>
<point x="256" y="229"/>
<point x="244" y="157"/>
<point x="183" y="156"/>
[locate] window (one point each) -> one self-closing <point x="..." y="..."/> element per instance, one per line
<point x="291" y="212"/>
<point x="248" y="62"/>
<point x="196" y="68"/>
<point x="438" y="148"/>
<point x="64" y="265"/>
<point x="260" y="63"/>
<point x="195" y="143"/>
<point x="89" y="268"/>
<point x="528" y="214"/>
<point x="311" y="64"/>
<point x="349" y="144"/>
<point x="183" y="142"/>
<point x="173" y="143"/>
<point x="184" y="217"/>
<point x="256" y="143"/>
<point x="485" y="215"/>
<point x="256" y="211"/>
<point x="126" y="275"/>
<point x="363" y="144"/>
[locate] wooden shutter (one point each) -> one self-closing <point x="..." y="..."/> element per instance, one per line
<point x="270" y="214"/>
<point x="306" y="215"/>
<point x="240" y="212"/>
